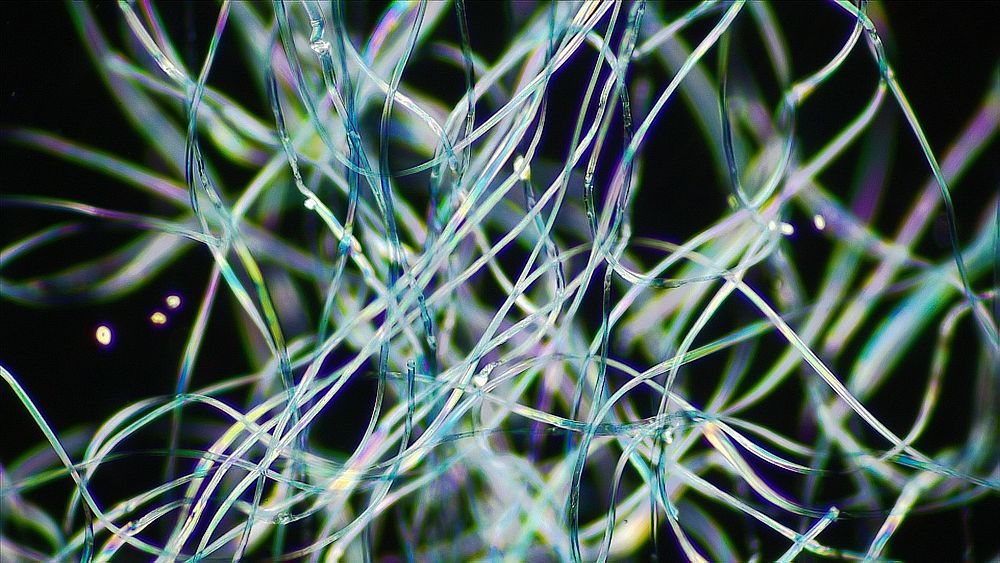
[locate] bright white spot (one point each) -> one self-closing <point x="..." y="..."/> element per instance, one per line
<point x="483" y="377"/>
<point x="173" y="301"/>
<point x="772" y="226"/>
<point x="819" y="221"/>
<point x="158" y="318"/>
<point x="320" y="47"/>
<point x="524" y="167"/>
<point x="104" y="335"/>
<point x="310" y="204"/>
<point x="787" y="229"/>
<point x="282" y="518"/>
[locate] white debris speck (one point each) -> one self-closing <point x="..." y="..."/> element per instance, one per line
<point x="320" y="46"/>
<point x="524" y="167"/>
<point x="483" y="377"/>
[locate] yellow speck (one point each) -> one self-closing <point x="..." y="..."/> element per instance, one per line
<point x="787" y="229"/>
<point x="819" y="221"/>
<point x="173" y="301"/>
<point x="523" y="167"/>
<point x="158" y="318"/>
<point x="104" y="335"/>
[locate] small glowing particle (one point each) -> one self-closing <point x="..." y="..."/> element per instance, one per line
<point x="480" y="380"/>
<point x="772" y="226"/>
<point x="310" y="204"/>
<point x="158" y="318"/>
<point x="819" y="221"/>
<point x="787" y="229"/>
<point x="524" y="167"/>
<point x="173" y="301"/>
<point x="731" y="200"/>
<point x="104" y="335"/>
